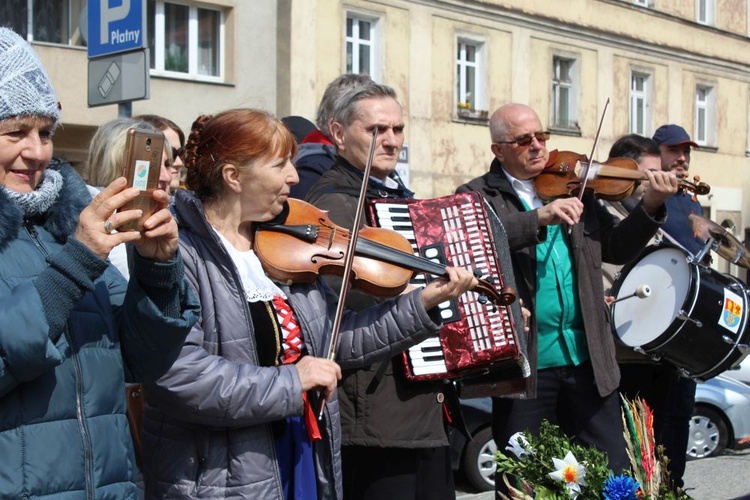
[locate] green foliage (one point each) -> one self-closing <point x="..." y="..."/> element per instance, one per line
<point x="535" y="467"/>
<point x="530" y="473"/>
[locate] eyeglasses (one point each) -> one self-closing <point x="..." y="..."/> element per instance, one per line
<point x="178" y="152"/>
<point x="525" y="140"/>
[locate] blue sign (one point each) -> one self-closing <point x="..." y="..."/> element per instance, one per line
<point x="116" y="26"/>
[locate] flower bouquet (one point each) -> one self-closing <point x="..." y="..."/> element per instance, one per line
<point x="550" y="466"/>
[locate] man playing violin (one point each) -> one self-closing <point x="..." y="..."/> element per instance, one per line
<point x="394" y="443"/>
<point x="557" y="250"/>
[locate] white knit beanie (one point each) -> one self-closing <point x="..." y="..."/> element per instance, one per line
<point x="25" y="88"/>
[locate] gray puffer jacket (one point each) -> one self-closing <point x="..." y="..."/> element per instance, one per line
<point x="207" y="425"/>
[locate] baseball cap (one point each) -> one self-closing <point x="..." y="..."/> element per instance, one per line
<point x="672" y="135"/>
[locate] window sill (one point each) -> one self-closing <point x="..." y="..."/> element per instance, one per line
<point x="478" y="116"/>
<point x="573" y="131"/>
<point x="709" y="149"/>
<point x="186" y="77"/>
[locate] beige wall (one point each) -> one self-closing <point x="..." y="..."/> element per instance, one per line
<point x="250" y="70"/>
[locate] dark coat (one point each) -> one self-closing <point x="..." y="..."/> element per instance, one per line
<point x="313" y="160"/>
<point x="378" y="406"/>
<point x="71" y="333"/>
<point x="598" y="237"/>
<point x="207" y="428"/>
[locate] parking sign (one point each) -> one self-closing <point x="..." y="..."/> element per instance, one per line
<point x="116" y="26"/>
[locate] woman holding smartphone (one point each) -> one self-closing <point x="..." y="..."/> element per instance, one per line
<point x="72" y="330"/>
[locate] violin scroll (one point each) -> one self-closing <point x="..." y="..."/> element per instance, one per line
<point x="696" y="187"/>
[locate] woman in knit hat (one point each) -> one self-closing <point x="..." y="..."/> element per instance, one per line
<point x="71" y="331"/>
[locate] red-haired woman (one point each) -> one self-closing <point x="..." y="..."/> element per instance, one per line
<point x="227" y="420"/>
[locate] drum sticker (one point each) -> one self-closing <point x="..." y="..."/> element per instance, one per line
<point x="731" y="316"/>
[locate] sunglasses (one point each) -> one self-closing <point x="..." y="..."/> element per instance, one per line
<point x="178" y="152"/>
<point x="525" y="140"/>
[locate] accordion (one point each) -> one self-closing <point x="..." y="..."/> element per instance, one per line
<point x="478" y="338"/>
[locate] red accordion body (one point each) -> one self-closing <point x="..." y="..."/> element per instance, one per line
<point x="453" y="230"/>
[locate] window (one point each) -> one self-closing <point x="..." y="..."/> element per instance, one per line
<point x="186" y="40"/>
<point x="564" y="86"/>
<point x="640" y="103"/>
<point x="361" y="45"/>
<point x="470" y="78"/>
<point x="704" y="115"/>
<point x="52" y="21"/>
<point x="642" y="3"/>
<point x="704" y="11"/>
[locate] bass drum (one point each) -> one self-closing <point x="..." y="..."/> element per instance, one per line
<point x="694" y="318"/>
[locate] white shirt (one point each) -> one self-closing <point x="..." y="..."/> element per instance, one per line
<point x="257" y="286"/>
<point x="525" y="191"/>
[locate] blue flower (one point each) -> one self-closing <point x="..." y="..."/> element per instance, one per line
<point x="620" y="487"/>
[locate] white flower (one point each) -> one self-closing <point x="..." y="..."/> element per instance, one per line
<point x="518" y="445"/>
<point x="569" y="470"/>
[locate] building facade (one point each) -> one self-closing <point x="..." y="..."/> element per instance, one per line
<point x="452" y="62"/>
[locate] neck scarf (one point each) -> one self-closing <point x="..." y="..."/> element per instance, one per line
<point x="39" y="201"/>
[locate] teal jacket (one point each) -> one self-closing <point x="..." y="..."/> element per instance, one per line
<point x="72" y="331"/>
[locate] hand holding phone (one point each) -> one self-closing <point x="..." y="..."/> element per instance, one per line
<point x="141" y="168"/>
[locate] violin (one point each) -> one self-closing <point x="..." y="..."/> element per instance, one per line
<point x="612" y="180"/>
<point x="302" y="243"/>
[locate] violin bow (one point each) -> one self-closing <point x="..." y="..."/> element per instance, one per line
<point x="349" y="258"/>
<point x="585" y="173"/>
<point x="586" y="169"/>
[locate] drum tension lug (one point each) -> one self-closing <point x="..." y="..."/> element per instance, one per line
<point x="684" y="317"/>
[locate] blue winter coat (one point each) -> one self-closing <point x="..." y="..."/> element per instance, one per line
<point x="70" y="336"/>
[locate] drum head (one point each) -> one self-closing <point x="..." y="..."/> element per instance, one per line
<point x="639" y="321"/>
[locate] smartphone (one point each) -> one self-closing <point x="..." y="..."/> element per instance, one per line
<point x="141" y="167"/>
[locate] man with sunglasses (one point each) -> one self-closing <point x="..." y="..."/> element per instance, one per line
<point x="557" y="251"/>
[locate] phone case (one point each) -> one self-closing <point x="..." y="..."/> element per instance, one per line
<point x="141" y="167"/>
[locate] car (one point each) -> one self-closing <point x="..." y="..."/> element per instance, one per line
<point x="721" y="420"/>
<point x="741" y="371"/>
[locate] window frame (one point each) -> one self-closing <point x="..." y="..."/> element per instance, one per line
<point x="646" y="95"/>
<point x="193" y="48"/>
<point x="71" y="18"/>
<point x="374" y="43"/>
<point x="641" y="3"/>
<point x="478" y="109"/>
<point x="706" y="137"/>
<point x="707" y="7"/>
<point x="573" y="94"/>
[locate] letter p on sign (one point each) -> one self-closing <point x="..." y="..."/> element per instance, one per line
<point x="109" y="15"/>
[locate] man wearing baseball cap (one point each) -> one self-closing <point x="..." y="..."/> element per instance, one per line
<point x="674" y="143"/>
<point x="675" y="146"/>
